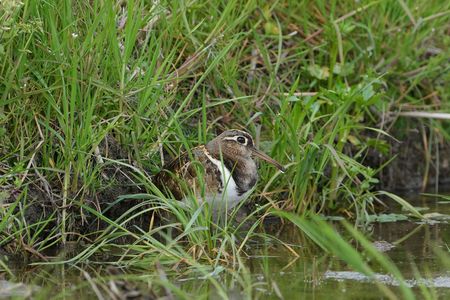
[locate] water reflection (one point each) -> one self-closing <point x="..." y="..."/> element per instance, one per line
<point x="281" y="262"/>
<point x="411" y="245"/>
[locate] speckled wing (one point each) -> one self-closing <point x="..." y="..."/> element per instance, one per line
<point x="182" y="174"/>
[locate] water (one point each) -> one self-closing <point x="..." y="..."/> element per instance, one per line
<point x="294" y="269"/>
<point x="410" y="245"/>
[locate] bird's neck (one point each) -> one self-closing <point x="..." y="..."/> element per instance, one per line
<point x="244" y="173"/>
<point x="242" y="169"/>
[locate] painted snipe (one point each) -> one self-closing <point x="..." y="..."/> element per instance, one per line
<point x="226" y="166"/>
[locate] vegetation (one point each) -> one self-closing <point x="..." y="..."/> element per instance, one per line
<point x="96" y="94"/>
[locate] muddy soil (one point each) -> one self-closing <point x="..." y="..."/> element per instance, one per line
<point x="413" y="169"/>
<point x="43" y="198"/>
<point x="421" y="160"/>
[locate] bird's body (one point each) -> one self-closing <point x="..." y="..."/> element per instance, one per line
<point x="225" y="166"/>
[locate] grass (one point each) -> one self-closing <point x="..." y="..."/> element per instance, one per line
<point x="90" y="87"/>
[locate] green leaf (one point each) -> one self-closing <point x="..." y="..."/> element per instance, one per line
<point x="385" y="218"/>
<point x="343" y="69"/>
<point x="319" y="72"/>
<point x="436" y="216"/>
<point x="368" y="92"/>
<point x="405" y="205"/>
<point x="271" y="28"/>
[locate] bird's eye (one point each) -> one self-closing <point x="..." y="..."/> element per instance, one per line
<point x="241" y="139"/>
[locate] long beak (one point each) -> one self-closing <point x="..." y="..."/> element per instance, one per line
<point x="267" y="158"/>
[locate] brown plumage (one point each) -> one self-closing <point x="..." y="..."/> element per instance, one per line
<point x="182" y="171"/>
<point x="225" y="165"/>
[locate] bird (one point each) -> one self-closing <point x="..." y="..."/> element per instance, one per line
<point x="226" y="166"/>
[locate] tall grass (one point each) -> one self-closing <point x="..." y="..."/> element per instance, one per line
<point x="316" y="83"/>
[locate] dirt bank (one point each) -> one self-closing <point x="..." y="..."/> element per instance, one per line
<point x="421" y="160"/>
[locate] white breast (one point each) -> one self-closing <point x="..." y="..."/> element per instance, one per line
<point x="229" y="197"/>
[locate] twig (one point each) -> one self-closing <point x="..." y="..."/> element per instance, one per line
<point x="313" y="35"/>
<point x="98" y="155"/>
<point x="408" y="12"/>
<point x="93" y="285"/>
<point x="253" y="62"/>
<point x="34" y="251"/>
<point x="297" y="94"/>
<point x="415" y="72"/>
<point x="424" y="114"/>
<point x="438" y="15"/>
<point x="354" y="12"/>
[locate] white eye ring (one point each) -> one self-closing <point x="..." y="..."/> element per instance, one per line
<point x="239" y="139"/>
